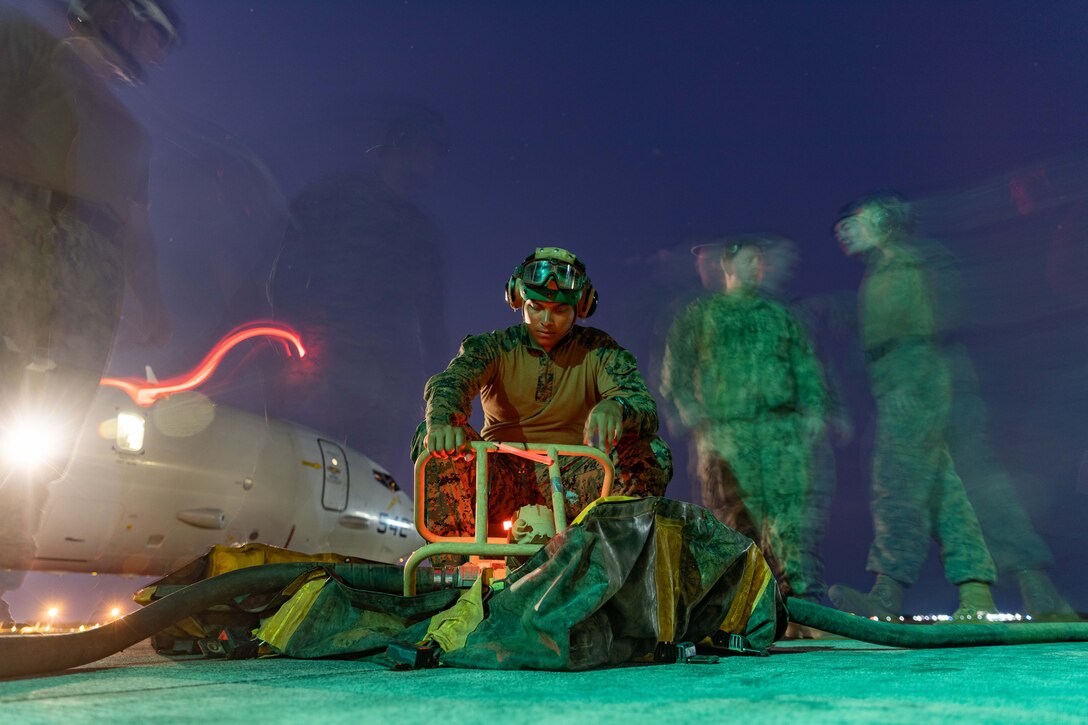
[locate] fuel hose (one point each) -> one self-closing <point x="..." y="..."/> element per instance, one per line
<point x="951" y="634"/>
<point x="35" y="654"/>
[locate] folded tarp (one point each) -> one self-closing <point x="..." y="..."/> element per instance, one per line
<point x="606" y="591"/>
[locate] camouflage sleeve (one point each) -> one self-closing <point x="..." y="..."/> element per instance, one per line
<point x="678" y="369"/>
<point x="449" y="394"/>
<point x="812" y="394"/>
<point x="619" y="378"/>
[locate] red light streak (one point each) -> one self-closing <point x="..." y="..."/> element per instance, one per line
<point x="538" y="457"/>
<point x="144" y="392"/>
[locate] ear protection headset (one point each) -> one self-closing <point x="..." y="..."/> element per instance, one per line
<point x="897" y="217"/>
<point x="587" y="301"/>
<point x="890" y="213"/>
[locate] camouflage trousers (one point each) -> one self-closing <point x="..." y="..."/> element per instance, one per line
<point x="756" y="476"/>
<point x="643" y="467"/>
<point x="1012" y="538"/>
<point x="917" y="493"/>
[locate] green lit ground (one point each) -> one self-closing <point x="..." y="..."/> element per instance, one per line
<point x="812" y="681"/>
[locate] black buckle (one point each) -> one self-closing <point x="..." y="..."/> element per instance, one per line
<point x="407" y="656"/>
<point x="736" y="644"/>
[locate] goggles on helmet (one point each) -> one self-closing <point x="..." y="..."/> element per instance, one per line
<point x="540" y="271"/>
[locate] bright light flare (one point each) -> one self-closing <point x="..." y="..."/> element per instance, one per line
<point x="145" y="392"/>
<point x="115" y="613"/>
<point x="31" y="440"/>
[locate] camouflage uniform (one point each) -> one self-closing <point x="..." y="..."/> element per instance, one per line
<point x="1014" y="543"/>
<point x="917" y="493"/>
<point x="743" y="376"/>
<point x="534" y="396"/>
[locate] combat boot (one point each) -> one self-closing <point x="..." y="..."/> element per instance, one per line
<point x="884" y="600"/>
<point x="976" y="602"/>
<point x="796" y="630"/>
<point x="1041" y="599"/>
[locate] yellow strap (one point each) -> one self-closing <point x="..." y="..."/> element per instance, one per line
<point x="603" y="499"/>
<point x="753" y="582"/>
<point x="222" y="559"/>
<point x="278" y="629"/>
<point x="451" y="627"/>
<point x="669" y="543"/>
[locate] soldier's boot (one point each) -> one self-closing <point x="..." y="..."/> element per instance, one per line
<point x="796" y="630"/>
<point x="976" y="602"/>
<point x="884" y="600"/>
<point x="1040" y="597"/>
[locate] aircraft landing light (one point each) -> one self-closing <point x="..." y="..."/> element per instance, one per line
<point x="30" y="440"/>
<point x="130" y="432"/>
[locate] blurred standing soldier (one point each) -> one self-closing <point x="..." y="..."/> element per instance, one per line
<point x="73" y="231"/>
<point x="815" y="315"/>
<point x="741" y="372"/>
<point x="1016" y="546"/>
<point x="546" y="380"/>
<point x="359" y="275"/>
<point x="917" y="493"/>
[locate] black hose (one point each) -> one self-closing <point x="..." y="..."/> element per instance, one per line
<point x="22" y="655"/>
<point x="35" y="654"/>
<point x="893" y="634"/>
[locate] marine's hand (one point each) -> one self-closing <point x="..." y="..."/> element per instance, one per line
<point x="446" y="440"/>
<point x="605" y="422"/>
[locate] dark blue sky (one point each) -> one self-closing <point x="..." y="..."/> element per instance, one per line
<point x="623" y="131"/>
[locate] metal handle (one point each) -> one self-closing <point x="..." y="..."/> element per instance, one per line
<point x="480" y="543"/>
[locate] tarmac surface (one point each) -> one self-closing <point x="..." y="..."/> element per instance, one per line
<point x="827" y="680"/>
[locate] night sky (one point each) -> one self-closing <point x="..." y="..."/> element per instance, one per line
<point x="625" y="131"/>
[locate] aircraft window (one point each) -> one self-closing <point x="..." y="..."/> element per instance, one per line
<point x="386" y="480"/>
<point x="335" y="479"/>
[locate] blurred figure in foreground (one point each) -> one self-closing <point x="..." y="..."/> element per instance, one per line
<point x="73" y="232"/>
<point x="917" y="493"/>
<point x="742" y="374"/>
<point x="359" y="276"/>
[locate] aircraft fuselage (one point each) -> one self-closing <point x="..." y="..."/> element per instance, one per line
<point x="207" y="474"/>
